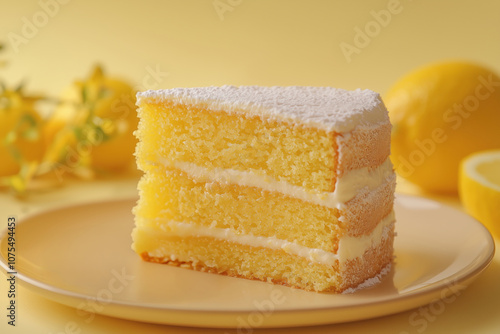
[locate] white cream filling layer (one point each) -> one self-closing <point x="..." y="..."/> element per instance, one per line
<point x="349" y="247"/>
<point x="346" y="188"/>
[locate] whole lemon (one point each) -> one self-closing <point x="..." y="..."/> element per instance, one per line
<point x="440" y="114"/>
<point x="94" y="125"/>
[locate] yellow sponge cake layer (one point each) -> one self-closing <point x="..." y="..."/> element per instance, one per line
<point x="303" y="157"/>
<point x="265" y="264"/>
<point x="246" y="210"/>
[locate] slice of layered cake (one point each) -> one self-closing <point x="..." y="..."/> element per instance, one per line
<point x="290" y="185"/>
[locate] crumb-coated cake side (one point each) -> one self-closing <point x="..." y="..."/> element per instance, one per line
<point x="291" y="185"/>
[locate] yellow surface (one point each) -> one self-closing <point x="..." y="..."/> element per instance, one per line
<point x="162" y="44"/>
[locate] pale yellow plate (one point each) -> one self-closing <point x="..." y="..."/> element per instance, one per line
<point x="81" y="256"/>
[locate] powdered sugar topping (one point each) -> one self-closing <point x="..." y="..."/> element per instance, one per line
<point x="371" y="281"/>
<point x="327" y="108"/>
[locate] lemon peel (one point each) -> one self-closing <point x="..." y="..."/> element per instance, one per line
<point x="479" y="188"/>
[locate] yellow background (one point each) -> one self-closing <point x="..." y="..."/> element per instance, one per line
<point x="294" y="42"/>
<point x="187" y="43"/>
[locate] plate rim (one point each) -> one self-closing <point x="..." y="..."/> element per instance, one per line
<point x="428" y="291"/>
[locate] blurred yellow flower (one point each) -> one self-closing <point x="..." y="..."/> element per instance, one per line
<point x="92" y="128"/>
<point x="21" y="147"/>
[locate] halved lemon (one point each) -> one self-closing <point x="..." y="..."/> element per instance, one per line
<point x="479" y="188"/>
